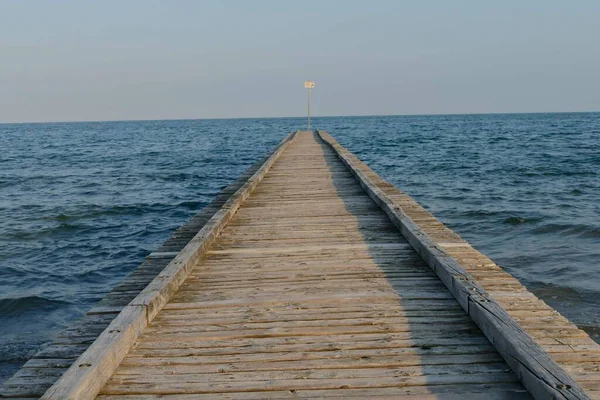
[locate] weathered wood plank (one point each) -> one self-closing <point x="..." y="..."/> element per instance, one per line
<point x="497" y="391"/>
<point x="299" y="384"/>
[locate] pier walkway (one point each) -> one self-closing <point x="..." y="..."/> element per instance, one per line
<point x="310" y="288"/>
<point x="318" y="279"/>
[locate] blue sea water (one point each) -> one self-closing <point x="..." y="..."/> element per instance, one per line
<point x="81" y="204"/>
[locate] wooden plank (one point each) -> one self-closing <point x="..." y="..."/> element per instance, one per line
<point x="364" y="342"/>
<point x="312" y="384"/>
<point x="193" y="374"/>
<point x="390" y="355"/>
<point x="497" y="391"/>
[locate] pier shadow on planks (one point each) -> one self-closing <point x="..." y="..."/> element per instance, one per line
<point x="426" y="331"/>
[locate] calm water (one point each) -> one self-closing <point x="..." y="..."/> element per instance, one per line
<point x="81" y="204"/>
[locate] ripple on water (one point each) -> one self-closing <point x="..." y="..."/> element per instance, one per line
<point x="579" y="230"/>
<point x="14" y="307"/>
<point x="515" y="220"/>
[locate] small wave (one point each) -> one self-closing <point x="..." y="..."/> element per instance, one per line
<point x="498" y="139"/>
<point x="480" y="214"/>
<point x="174" y="177"/>
<point x="16" y="306"/>
<point x="191" y="205"/>
<point x="580" y="230"/>
<point x="552" y="291"/>
<point x="6" y="183"/>
<point x="96" y="212"/>
<point x="516" y="220"/>
<point x="35" y="234"/>
<point x="63" y="217"/>
<point x="65" y="227"/>
<point x="563" y="173"/>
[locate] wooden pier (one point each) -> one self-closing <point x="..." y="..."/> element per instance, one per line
<point x="312" y="277"/>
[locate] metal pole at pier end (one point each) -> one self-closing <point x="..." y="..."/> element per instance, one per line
<point x="309" y="85"/>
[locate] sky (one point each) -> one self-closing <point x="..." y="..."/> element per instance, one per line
<point x="88" y="60"/>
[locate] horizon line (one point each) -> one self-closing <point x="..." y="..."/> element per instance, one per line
<point x="296" y="117"/>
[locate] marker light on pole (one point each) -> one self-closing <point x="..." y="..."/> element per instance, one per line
<point x="309" y="85"/>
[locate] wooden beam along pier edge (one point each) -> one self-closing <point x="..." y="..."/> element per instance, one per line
<point x="313" y="277"/>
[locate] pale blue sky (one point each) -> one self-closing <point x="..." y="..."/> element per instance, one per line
<point x="111" y="60"/>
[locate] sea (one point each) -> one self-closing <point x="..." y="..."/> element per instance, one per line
<point x="82" y="204"/>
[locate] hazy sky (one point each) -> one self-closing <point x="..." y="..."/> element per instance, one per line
<point x="110" y="60"/>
